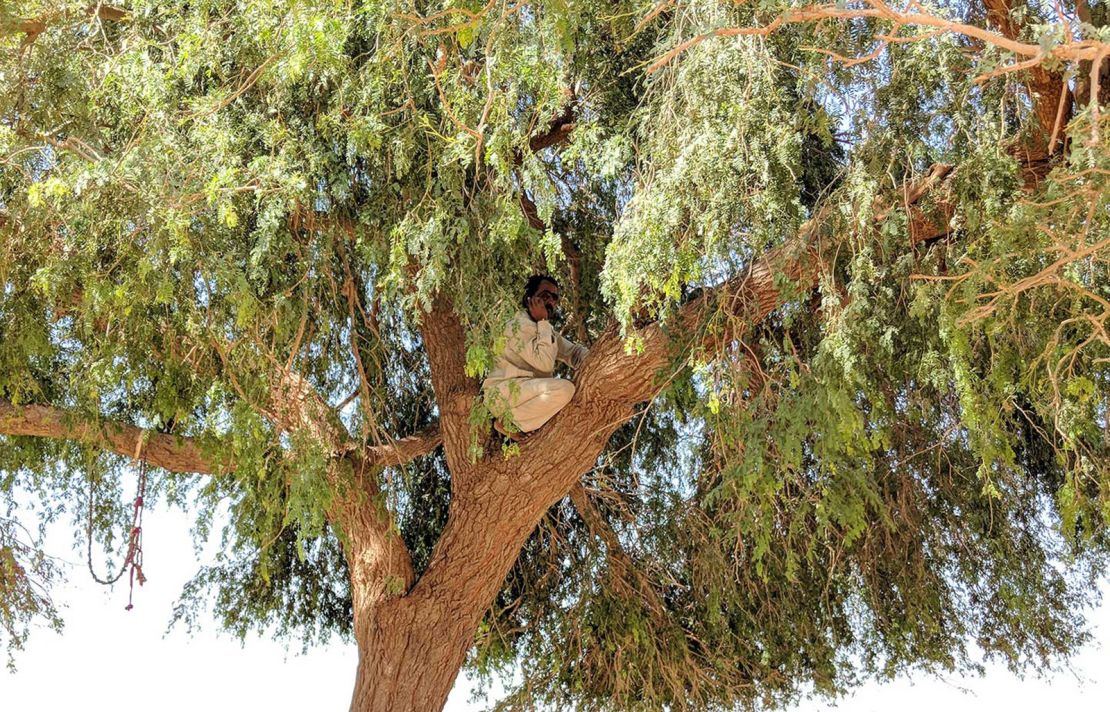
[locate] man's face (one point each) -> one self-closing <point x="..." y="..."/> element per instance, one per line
<point x="549" y="293"/>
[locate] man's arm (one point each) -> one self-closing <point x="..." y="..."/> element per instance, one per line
<point x="535" y="343"/>
<point x="570" y="353"/>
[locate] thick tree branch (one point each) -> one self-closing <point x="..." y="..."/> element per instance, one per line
<point x="746" y="300"/>
<point x="445" y="342"/>
<point x="380" y="563"/>
<point x="171" y="452"/>
<point x="175" y="453"/>
<point x="514" y="497"/>
<point x="1050" y="98"/>
<point x="531" y="212"/>
<point x="296" y="405"/>
<point x="403" y="450"/>
<point x="559" y="130"/>
<point x="292" y="403"/>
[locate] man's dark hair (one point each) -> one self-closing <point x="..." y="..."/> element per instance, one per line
<point x="533" y="286"/>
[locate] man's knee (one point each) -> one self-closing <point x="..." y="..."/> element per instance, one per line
<point x="563" y="391"/>
<point x="556" y="392"/>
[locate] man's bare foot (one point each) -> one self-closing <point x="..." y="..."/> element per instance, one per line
<point x="515" y="437"/>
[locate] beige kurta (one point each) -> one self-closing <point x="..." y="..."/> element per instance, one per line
<point x="521" y="383"/>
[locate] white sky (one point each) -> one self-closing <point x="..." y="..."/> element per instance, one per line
<point x="110" y="659"/>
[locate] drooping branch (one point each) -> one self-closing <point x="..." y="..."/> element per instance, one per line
<point x="379" y="560"/>
<point x="33" y="27"/>
<point x="629" y="575"/>
<point x="1034" y="54"/>
<point x="70" y="144"/>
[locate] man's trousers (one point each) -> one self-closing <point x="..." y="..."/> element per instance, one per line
<point x="530" y="401"/>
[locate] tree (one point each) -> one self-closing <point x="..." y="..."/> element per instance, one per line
<point x="843" y="270"/>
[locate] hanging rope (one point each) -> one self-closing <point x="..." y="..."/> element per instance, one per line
<point x="134" y="558"/>
<point x="135" y="546"/>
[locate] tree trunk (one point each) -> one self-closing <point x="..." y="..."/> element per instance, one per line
<point x="411" y="647"/>
<point x="410" y="658"/>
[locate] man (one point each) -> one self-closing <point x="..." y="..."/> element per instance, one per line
<point x="521" y="389"/>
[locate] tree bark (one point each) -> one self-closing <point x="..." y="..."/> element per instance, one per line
<point x="412" y="647"/>
<point x="410" y="658"/>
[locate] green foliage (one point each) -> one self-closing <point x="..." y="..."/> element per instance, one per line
<point x="26" y="575"/>
<point x="293" y="586"/>
<point x="907" y="467"/>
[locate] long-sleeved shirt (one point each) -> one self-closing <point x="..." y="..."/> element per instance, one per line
<point x="531" y="350"/>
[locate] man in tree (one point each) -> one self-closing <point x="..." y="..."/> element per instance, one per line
<point x="521" y="386"/>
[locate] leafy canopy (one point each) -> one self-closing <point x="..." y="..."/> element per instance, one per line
<point x="903" y="468"/>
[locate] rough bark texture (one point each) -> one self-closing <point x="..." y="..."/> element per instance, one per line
<point x="1047" y="92"/>
<point x="445" y="342"/>
<point x="176" y="454"/>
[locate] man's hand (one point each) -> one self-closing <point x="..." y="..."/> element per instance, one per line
<point x="537" y="309"/>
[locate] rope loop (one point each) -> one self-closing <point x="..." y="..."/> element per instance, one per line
<point x="134" y="558"/>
